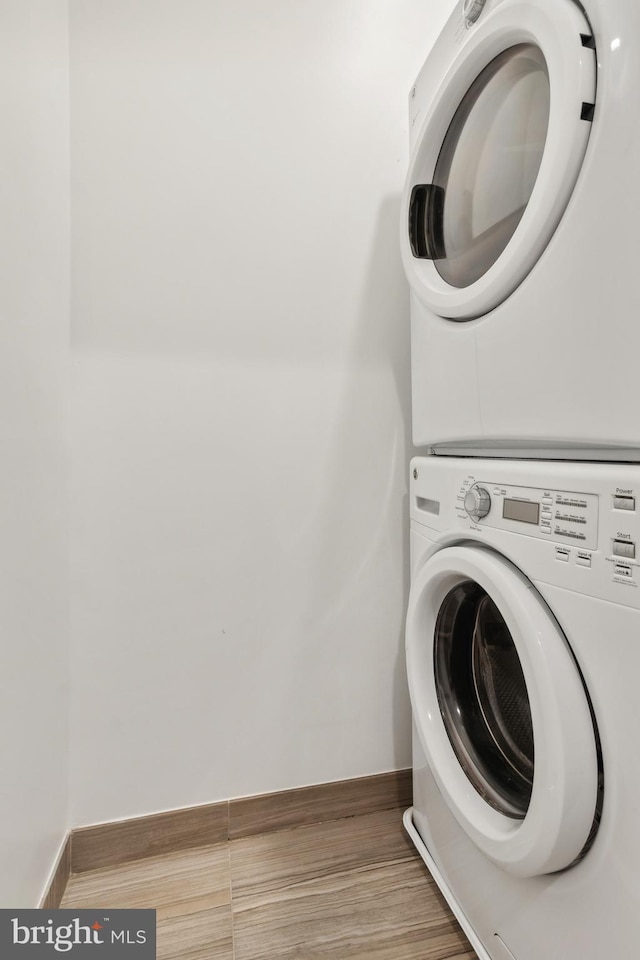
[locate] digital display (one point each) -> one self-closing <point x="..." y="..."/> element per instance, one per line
<point x="524" y="510"/>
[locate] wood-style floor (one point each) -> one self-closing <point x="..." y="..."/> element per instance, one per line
<point x="340" y="890"/>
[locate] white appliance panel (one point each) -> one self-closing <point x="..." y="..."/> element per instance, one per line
<point x="589" y="910"/>
<point x="551" y="369"/>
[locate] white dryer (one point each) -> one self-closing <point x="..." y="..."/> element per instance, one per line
<point x="523" y="658"/>
<point x="518" y="230"/>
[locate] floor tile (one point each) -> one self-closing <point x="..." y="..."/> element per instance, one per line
<point x="350" y="889"/>
<point x="170" y="883"/>
<point x="275" y="860"/>
<point x="206" y="935"/>
<point x="388" y="912"/>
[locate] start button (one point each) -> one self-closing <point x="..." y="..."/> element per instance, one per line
<point x="624" y="548"/>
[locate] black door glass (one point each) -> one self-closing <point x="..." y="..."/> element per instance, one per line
<point x="483" y="698"/>
<point x="490" y="160"/>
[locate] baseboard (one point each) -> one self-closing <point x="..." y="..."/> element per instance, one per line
<point x="110" y="844"/>
<point x="324" y="801"/>
<point x="61" y="873"/>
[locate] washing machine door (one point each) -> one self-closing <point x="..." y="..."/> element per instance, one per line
<point x="501" y="711"/>
<point x="498" y="153"/>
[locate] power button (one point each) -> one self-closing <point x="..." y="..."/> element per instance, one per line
<point x="471" y="10"/>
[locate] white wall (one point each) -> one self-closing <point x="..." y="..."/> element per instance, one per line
<point x="241" y="396"/>
<point x="34" y="346"/>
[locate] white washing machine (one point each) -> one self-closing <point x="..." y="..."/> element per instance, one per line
<point x="518" y="231"/>
<point x="523" y="658"/>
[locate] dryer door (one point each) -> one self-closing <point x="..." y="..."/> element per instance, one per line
<point x="501" y="711"/>
<point x="498" y="154"/>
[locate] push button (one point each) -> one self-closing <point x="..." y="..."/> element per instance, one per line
<point x="583" y="560"/>
<point x="624" y="548"/>
<point x="624" y="503"/>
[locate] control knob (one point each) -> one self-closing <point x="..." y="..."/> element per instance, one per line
<point x="471" y="9"/>
<point x="477" y="502"/>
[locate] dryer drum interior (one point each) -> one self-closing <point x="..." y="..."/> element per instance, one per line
<point x="483" y="698"/>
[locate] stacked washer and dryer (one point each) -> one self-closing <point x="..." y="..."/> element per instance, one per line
<point x="523" y="626"/>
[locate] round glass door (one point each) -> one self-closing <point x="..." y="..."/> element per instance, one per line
<point x="501" y="711"/>
<point x="507" y="114"/>
<point x="489" y="162"/>
<point x="483" y="698"/>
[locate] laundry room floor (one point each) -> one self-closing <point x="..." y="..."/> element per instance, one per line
<point x="339" y="890"/>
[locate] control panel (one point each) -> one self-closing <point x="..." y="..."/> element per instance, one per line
<point x="561" y="515"/>
<point x="574" y="525"/>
